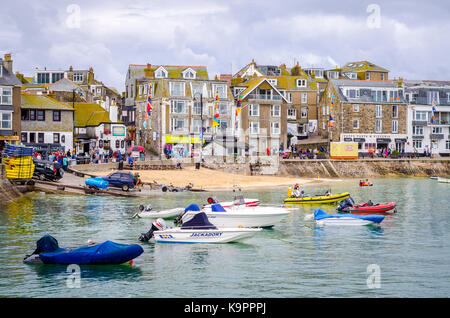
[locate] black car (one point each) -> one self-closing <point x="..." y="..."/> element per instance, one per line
<point x="47" y="170"/>
<point x="123" y="180"/>
<point x="83" y="159"/>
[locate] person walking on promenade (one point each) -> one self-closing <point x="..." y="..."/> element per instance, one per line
<point x="65" y="163"/>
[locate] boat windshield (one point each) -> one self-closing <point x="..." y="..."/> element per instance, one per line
<point x="196" y="221"/>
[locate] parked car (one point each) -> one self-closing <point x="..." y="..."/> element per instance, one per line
<point x="47" y="170"/>
<point x="82" y="159"/>
<point x="123" y="180"/>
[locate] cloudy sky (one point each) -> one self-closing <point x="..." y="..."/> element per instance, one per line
<point x="410" y="38"/>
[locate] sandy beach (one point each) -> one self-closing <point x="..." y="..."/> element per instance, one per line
<point x="209" y="179"/>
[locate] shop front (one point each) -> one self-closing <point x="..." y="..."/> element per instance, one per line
<point x="368" y="142"/>
<point x="181" y="146"/>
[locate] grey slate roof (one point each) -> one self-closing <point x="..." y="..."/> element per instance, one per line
<point x="8" y="79"/>
<point x="365" y="90"/>
<point x="64" y="85"/>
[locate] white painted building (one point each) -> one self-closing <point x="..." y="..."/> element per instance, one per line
<point x="423" y="134"/>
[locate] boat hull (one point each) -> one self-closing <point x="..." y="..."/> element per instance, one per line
<point x="318" y="199"/>
<point x="165" y="214"/>
<point x="322" y="218"/>
<point x="343" y="221"/>
<point x="224" y="235"/>
<point x="229" y="204"/>
<point x="380" y="208"/>
<point x="247" y="217"/>
<point x="443" y="180"/>
<point x="101" y="254"/>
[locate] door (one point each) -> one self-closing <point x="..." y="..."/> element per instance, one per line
<point x="400" y="146"/>
<point x="114" y="179"/>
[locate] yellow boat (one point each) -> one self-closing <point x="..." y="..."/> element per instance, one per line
<point x="318" y="199"/>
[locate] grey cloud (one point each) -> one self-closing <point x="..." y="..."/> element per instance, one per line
<point x="412" y="41"/>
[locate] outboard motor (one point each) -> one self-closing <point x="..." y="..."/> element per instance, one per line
<point x="346" y="204"/>
<point x="147" y="209"/>
<point x="212" y="200"/>
<point x="157" y="225"/>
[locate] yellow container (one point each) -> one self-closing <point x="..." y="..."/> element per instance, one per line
<point x="19" y="167"/>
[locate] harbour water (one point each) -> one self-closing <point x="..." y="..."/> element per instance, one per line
<point x="408" y="255"/>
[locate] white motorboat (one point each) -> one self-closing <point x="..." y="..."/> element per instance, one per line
<point x="195" y="228"/>
<point x="224" y="235"/>
<point x="244" y="216"/>
<point x="443" y="180"/>
<point x="322" y="218"/>
<point x="238" y="201"/>
<point x="165" y="214"/>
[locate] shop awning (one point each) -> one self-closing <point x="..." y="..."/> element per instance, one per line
<point x="292" y="129"/>
<point x="383" y="140"/>
<point x="182" y="140"/>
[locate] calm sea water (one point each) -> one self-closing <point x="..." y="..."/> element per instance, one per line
<point x="410" y="249"/>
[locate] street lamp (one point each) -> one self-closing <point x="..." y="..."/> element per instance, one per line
<point x="196" y="96"/>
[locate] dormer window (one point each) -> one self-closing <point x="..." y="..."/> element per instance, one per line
<point x="301" y="83"/>
<point x="161" y="73"/>
<point x="77" y="77"/>
<point x="189" y="74"/>
<point x="272" y="81"/>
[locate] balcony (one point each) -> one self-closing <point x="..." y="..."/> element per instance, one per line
<point x="264" y="98"/>
<point x="437" y="136"/>
<point x="426" y="101"/>
<point x="419" y="123"/>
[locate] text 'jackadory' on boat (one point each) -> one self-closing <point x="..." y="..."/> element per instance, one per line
<point x="195" y="228"/>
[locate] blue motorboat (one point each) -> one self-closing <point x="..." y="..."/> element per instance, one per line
<point x="49" y="252"/>
<point x="322" y="217"/>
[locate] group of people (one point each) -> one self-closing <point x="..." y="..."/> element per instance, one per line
<point x="58" y="156"/>
<point x="365" y="183"/>
<point x="302" y="153"/>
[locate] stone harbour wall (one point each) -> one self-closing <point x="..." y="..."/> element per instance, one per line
<point x="364" y="168"/>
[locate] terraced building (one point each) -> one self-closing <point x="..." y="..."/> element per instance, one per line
<point x="279" y="106"/>
<point x="183" y="102"/>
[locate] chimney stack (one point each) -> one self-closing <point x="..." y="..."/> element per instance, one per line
<point x="8" y="63"/>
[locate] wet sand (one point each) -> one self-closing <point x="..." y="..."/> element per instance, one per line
<point x="209" y="179"/>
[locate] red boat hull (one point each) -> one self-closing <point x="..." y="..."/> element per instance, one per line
<point x="380" y="207"/>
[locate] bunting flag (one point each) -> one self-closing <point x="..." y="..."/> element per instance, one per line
<point x="433" y="109"/>
<point x="149" y="100"/>
<point x="331" y="119"/>
<point x="238" y="110"/>
<point x="216" y="121"/>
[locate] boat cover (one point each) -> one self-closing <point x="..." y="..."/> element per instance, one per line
<point x="97" y="182"/>
<point x="199" y="221"/>
<point x="47" y="244"/>
<point x="104" y="253"/>
<point x="320" y="214"/>
<point x="217" y="208"/>
<point x="192" y="207"/>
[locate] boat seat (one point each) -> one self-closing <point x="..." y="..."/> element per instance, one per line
<point x="217" y="208"/>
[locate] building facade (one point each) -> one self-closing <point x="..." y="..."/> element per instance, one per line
<point x="98" y="131"/>
<point x="372" y="113"/>
<point x="10" y="100"/>
<point x="424" y="133"/>
<point x="280" y="105"/>
<point x="183" y="102"/>
<point x="46" y="124"/>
